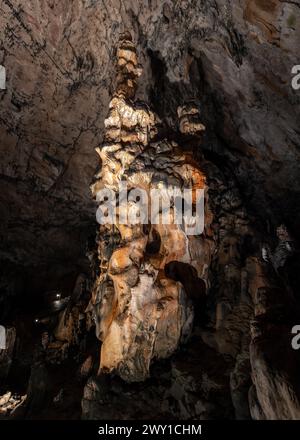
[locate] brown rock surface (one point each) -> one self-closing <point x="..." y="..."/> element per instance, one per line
<point x="221" y="113"/>
<point x="59" y="59"/>
<point x="142" y="311"/>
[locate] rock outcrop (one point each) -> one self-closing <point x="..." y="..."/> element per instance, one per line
<point x="227" y="259"/>
<point x="236" y="57"/>
<point x="143" y="311"/>
<point x="191" y="326"/>
<point x="274" y="362"/>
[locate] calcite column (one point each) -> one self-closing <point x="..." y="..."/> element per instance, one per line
<point x="141" y="311"/>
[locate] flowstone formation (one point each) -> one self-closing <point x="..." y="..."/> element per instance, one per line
<point x="142" y="308"/>
<point x="157" y="285"/>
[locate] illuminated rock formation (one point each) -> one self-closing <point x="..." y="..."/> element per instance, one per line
<point x="141" y="311"/>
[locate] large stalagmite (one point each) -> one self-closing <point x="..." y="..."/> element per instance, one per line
<point x="234" y="287"/>
<point x="141" y="307"/>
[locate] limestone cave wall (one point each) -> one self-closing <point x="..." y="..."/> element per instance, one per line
<point x="150" y="321"/>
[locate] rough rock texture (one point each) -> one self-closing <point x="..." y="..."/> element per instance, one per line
<point x="10" y="403"/>
<point x="230" y="59"/>
<point x="59" y="59"/>
<point x="141" y="312"/>
<point x="275" y="364"/>
<point x="188" y="387"/>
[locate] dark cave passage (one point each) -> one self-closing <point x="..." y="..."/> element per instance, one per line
<point x="194" y="286"/>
